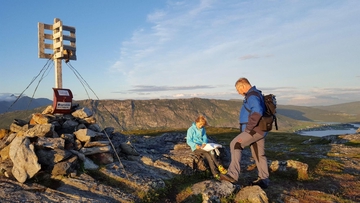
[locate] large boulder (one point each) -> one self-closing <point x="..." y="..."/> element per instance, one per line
<point x="23" y="156"/>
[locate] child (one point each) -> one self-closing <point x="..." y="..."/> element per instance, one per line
<point x="197" y="139"/>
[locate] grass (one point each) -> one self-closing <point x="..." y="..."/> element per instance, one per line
<point x="353" y="143"/>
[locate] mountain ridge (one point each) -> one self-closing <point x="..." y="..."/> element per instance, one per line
<point x="162" y="114"/>
<point x="23" y="103"/>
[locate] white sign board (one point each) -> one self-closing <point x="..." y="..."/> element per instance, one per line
<point x="63" y="105"/>
<point x="63" y="93"/>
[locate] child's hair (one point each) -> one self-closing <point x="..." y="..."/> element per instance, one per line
<point x="201" y="120"/>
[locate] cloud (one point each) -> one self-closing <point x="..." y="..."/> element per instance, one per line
<point x="249" y="56"/>
<point x="150" y="88"/>
<point x="7" y="97"/>
<point x="189" y="43"/>
<point x="315" y="96"/>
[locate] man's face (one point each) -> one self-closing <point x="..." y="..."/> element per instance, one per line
<point x="241" y="89"/>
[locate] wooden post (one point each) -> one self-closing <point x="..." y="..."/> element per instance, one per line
<point x="58" y="73"/>
<point x="58" y="61"/>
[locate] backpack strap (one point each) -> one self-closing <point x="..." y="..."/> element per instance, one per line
<point x="256" y="93"/>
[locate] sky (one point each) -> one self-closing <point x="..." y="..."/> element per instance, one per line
<point x="305" y="52"/>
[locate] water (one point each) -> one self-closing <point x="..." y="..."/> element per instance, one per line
<point x="321" y="133"/>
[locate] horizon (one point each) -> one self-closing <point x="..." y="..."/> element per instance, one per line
<point x="304" y="52"/>
<point x="12" y="99"/>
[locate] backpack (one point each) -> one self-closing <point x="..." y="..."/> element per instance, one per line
<point x="269" y="116"/>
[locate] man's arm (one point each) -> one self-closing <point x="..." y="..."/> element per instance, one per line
<point x="255" y="113"/>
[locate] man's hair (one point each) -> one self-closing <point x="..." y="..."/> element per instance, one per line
<point x="201" y="120"/>
<point x="242" y="81"/>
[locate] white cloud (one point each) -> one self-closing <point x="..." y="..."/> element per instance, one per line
<point x="8" y="97"/>
<point x="212" y="43"/>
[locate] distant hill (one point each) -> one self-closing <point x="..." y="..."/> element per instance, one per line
<point x="24" y="103"/>
<point x="351" y="108"/>
<point x="162" y="114"/>
<point x="319" y="114"/>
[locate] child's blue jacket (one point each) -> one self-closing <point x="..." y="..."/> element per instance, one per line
<point x="196" y="136"/>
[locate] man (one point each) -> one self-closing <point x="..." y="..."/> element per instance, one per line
<point x="250" y="135"/>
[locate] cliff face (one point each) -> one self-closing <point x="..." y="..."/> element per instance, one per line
<point x="160" y="114"/>
<point x="164" y="114"/>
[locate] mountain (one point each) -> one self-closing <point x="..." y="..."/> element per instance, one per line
<point x="24" y="103"/>
<point x="348" y="108"/>
<point x="162" y="114"/>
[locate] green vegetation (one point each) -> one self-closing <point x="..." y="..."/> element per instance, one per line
<point x="353" y="143"/>
<point x="279" y="146"/>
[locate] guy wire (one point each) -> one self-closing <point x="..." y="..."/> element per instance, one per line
<point x="46" y="65"/>
<point x="42" y="77"/>
<point x="83" y="81"/>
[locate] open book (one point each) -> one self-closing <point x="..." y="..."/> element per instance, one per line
<point x="211" y="146"/>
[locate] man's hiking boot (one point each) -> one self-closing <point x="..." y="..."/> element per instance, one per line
<point x="260" y="182"/>
<point x="222" y="169"/>
<point x="217" y="177"/>
<point x="228" y="178"/>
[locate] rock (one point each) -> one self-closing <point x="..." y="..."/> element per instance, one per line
<point x="52" y="143"/>
<point x="97" y="144"/>
<point x="18" y="125"/>
<point x="103" y="158"/>
<point x="48" y="158"/>
<point x="284" y="166"/>
<point x="40" y="130"/>
<point x="89" y="120"/>
<point x="3" y="133"/>
<point x="85" y="135"/>
<point x="82" y="113"/>
<point x="88" y="164"/>
<point x="65" y="167"/>
<point x="48" y="110"/>
<point x="6" y="168"/>
<point x="24" y="158"/>
<point x="252" y="194"/>
<point x="109" y="130"/>
<point x="95" y="127"/>
<point x="7" y="140"/>
<point x="128" y="149"/>
<point x="38" y="118"/>
<point x="212" y="191"/>
<point x="4" y="153"/>
<point x="70" y="124"/>
<point x="84" y="188"/>
<point x="95" y="150"/>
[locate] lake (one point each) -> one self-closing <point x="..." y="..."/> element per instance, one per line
<point x="321" y="133"/>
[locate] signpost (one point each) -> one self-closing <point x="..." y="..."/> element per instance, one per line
<point x="60" y="41"/>
<point x="62" y="46"/>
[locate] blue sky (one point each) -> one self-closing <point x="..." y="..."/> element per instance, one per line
<point x="305" y="52"/>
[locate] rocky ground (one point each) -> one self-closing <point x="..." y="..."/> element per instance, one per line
<point x="137" y="168"/>
<point x="334" y="171"/>
<point x="330" y="182"/>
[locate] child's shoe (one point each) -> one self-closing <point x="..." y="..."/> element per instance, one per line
<point x="222" y="169"/>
